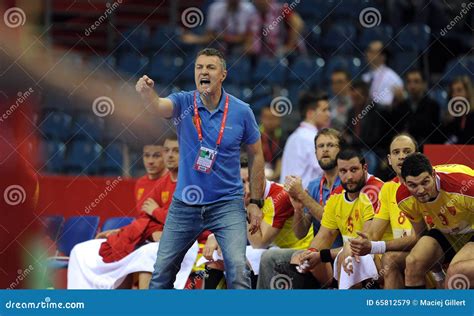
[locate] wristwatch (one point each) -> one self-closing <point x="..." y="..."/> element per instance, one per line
<point x="258" y="202"/>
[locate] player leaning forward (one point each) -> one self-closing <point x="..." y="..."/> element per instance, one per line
<point x="211" y="126"/>
<point x="439" y="202"/>
<point x="443" y="196"/>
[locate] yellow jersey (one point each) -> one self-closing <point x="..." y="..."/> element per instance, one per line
<point x="452" y="212"/>
<point x="388" y="210"/>
<point x="349" y="216"/>
<point x="278" y="213"/>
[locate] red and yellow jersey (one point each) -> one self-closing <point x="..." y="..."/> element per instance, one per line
<point x="388" y="210"/>
<point x="349" y="216"/>
<point x="452" y="212"/>
<point x="278" y="212"/>
<point x="143" y="190"/>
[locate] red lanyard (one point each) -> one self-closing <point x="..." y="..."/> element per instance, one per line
<point x="321" y="190"/>
<point x="198" y="120"/>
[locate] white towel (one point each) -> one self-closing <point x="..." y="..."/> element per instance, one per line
<point x="253" y="258"/>
<point x="87" y="270"/>
<point x="363" y="270"/>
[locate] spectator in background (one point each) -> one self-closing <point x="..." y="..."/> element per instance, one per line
<point x="365" y="129"/>
<point x="272" y="37"/>
<point x="228" y="24"/>
<point x="341" y="102"/>
<point x="272" y="144"/>
<point x="459" y="119"/>
<point x="383" y="80"/>
<point x="415" y="106"/>
<point x="298" y="155"/>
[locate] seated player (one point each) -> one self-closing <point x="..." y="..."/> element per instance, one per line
<point x="118" y="256"/>
<point x="348" y="210"/>
<point x="389" y="223"/>
<point x="443" y="197"/>
<point x="155" y="170"/>
<point x="276" y="228"/>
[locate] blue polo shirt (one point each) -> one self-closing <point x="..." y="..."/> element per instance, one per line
<point x="314" y="190"/>
<point x="224" y="182"/>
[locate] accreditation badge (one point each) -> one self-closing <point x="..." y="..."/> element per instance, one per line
<point x="205" y="159"/>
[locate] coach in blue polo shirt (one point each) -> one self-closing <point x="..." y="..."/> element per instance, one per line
<point x="211" y="125"/>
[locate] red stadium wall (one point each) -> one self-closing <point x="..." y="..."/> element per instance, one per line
<point x="450" y="154"/>
<point x="75" y="196"/>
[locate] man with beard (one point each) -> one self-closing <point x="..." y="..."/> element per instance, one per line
<point x="308" y="209"/>
<point x="349" y="209"/>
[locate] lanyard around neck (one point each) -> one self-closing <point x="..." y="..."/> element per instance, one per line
<point x="198" y="120"/>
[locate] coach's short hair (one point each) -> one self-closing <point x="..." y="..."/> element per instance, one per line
<point x="330" y="132"/>
<point x="415" y="164"/>
<point x="349" y="153"/>
<point x="213" y="52"/>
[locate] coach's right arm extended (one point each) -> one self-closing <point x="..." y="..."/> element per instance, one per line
<point x="163" y="106"/>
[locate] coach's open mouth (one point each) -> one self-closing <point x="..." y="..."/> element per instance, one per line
<point x="205" y="82"/>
